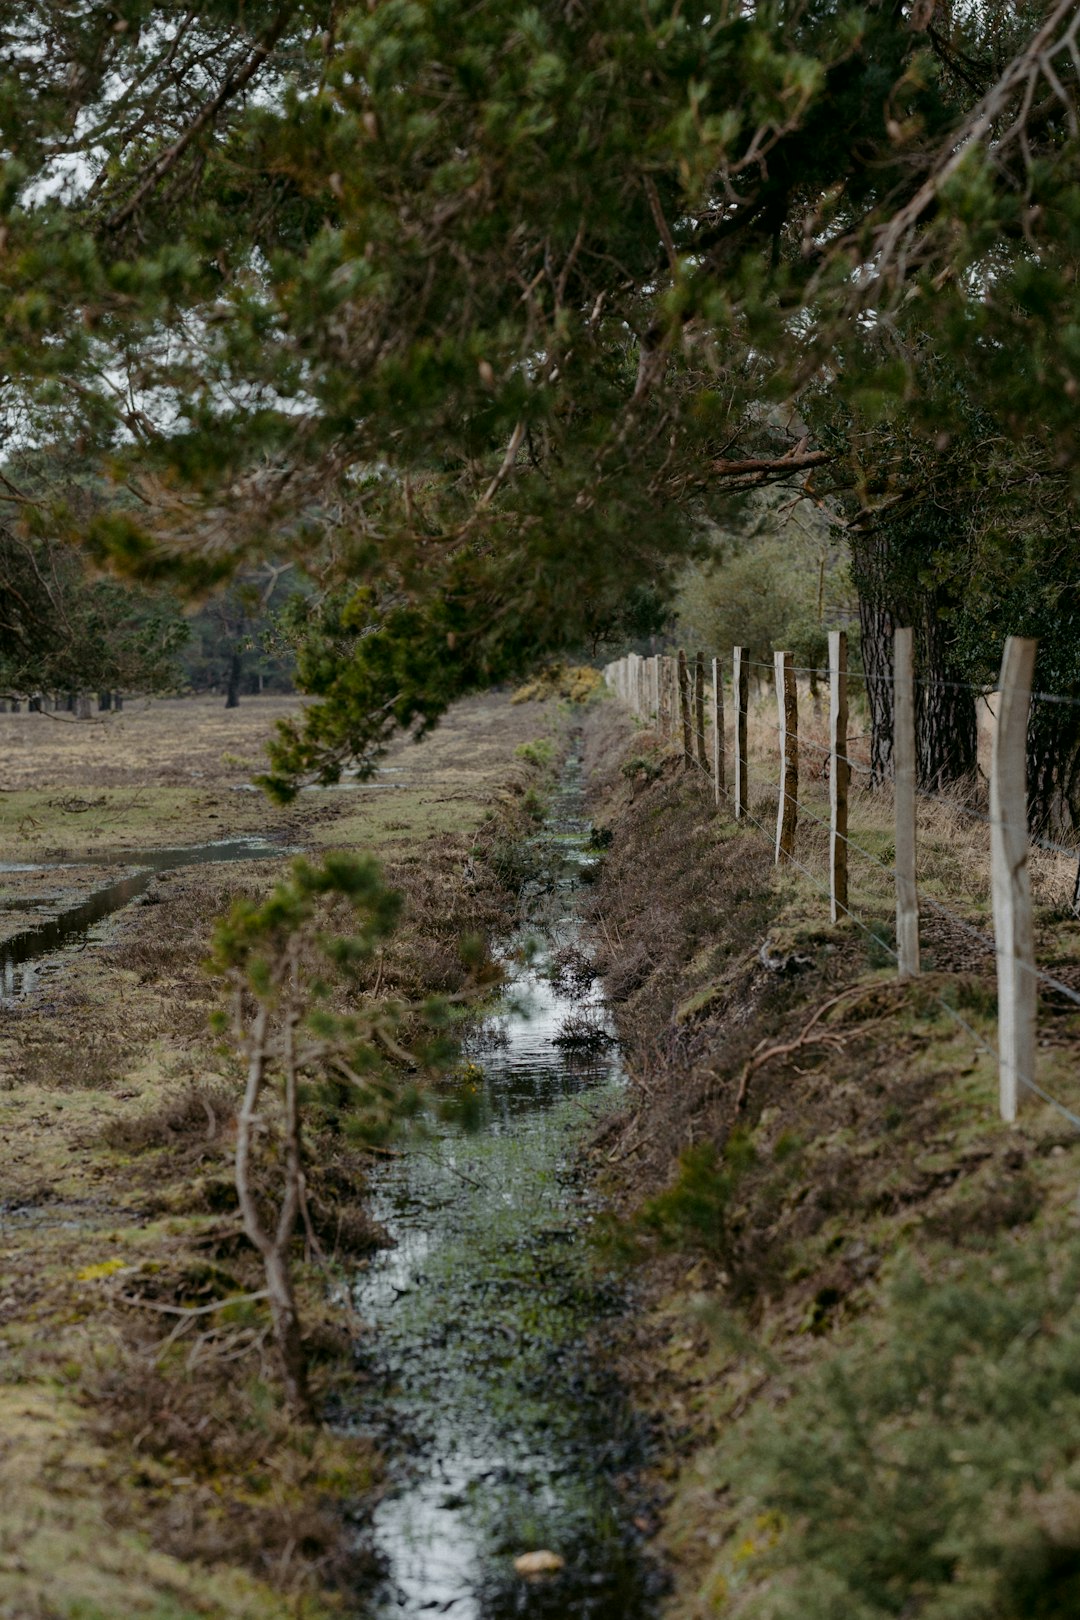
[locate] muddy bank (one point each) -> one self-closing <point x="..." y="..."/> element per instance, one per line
<point x="836" y="1268"/>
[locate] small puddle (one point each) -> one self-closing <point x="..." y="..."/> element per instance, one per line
<point x="21" y="955"/>
<point x="506" y="1431"/>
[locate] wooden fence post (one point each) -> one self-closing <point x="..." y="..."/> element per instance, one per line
<point x="740" y="679"/>
<point x="699" y="710"/>
<point x="787" y="708"/>
<point x="656" y="688"/>
<point x="907" y="893"/>
<point x="1010" y="877"/>
<point x="717" y="728"/>
<point x="672" y="696"/>
<point x="684" y="709"/>
<point x="839" y="774"/>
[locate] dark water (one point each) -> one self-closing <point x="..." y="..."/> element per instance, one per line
<point x="21" y="955"/>
<point x="506" y="1431"/>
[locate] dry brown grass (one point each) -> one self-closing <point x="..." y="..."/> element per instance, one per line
<point x="173" y="741"/>
<point x="778" y="1226"/>
<point x="117" y="1110"/>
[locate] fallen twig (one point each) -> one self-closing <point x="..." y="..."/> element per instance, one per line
<point x="190" y="1310"/>
<point x="809" y="1035"/>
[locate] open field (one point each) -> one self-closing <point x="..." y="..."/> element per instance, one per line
<point x="146" y="1468"/>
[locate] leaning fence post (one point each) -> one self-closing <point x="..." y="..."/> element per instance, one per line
<point x="1010" y="877"/>
<point x="717" y="729"/>
<point x="699" y="710"/>
<point x="740" y="679"/>
<point x="684" y="709"/>
<point x="907" y="893"/>
<point x="839" y="774"/>
<point x="788" y="710"/>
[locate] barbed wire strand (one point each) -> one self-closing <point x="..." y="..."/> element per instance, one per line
<point x="1050" y="845"/>
<point x="983" y="689"/>
<point x="957" y="1017"/>
<point x="983" y="939"/>
<point x="1035" y="839"/>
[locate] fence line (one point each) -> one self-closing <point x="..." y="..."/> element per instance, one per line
<point x="671" y="691"/>
<point x="839" y="774"/>
<point x="907" y="892"/>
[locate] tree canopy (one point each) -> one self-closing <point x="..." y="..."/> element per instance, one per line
<point x="485" y="311"/>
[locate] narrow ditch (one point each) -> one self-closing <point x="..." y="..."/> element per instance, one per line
<point x="23" y="955"/>
<point x="507" y="1433"/>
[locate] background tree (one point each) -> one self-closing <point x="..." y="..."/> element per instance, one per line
<point x="235" y="643"/>
<point x="775" y="576"/>
<point x="487" y="304"/>
<point x="63" y="630"/>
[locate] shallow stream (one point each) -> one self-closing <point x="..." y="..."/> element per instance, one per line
<point x="505" y="1427"/>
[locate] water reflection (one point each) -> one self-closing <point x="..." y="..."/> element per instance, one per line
<point x="506" y="1430"/>
<point x="22" y="954"/>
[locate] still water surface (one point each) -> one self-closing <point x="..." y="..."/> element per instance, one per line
<point x="506" y="1431"/>
<point x="22" y="956"/>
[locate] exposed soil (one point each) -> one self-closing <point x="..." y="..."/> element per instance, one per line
<point x="801" y="1130"/>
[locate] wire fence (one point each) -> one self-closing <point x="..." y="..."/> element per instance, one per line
<point x="690" y="711"/>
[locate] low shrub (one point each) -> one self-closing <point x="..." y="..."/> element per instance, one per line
<point x="933" y="1469"/>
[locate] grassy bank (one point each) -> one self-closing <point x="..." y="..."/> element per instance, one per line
<point x="146" y="1465"/>
<point x="862" y="1336"/>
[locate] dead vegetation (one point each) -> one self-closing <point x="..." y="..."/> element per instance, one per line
<point x="798" y="1124"/>
<point x="135" y="1331"/>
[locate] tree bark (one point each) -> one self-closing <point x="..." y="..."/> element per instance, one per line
<point x="946" y="731"/>
<point x="876" y="640"/>
<point x="232" y="695"/>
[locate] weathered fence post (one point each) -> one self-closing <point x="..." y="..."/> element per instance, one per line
<point x="907" y="893"/>
<point x="684" y="709"/>
<point x="672" y="696"/>
<point x="699" y="710"/>
<point x="655" y="662"/>
<point x="1010" y="877"/>
<point x="787" y="708"/>
<point x="717" y="728"/>
<point x="839" y="774"/>
<point x="740" y="680"/>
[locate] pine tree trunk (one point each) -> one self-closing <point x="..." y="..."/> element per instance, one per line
<point x="946" y="723"/>
<point x="232" y="696"/>
<point x="876" y="642"/>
